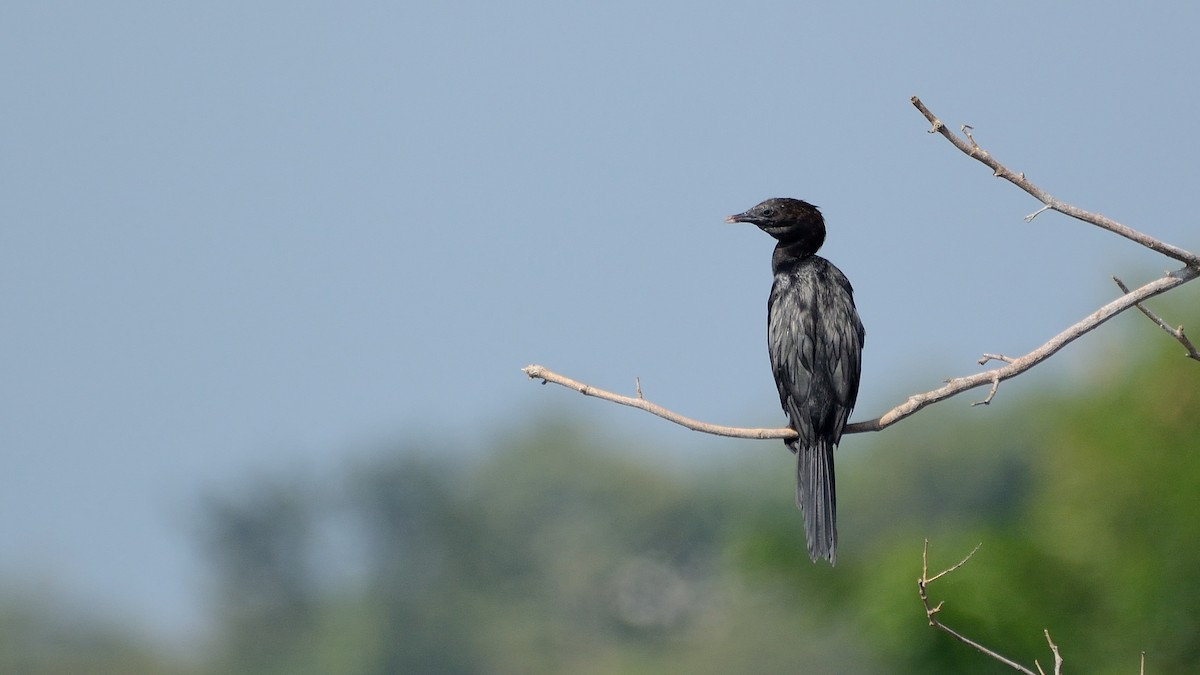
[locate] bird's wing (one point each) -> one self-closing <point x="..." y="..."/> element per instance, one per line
<point x="843" y="341"/>
<point x="791" y="333"/>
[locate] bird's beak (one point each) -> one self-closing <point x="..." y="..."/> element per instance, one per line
<point x="737" y="218"/>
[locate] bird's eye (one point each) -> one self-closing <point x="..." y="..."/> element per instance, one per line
<point x="767" y="213"/>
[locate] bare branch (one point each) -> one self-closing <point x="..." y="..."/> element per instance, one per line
<point x="932" y="611"/>
<point x="1176" y="333"/>
<point x="536" y="372"/>
<point x="972" y="149"/>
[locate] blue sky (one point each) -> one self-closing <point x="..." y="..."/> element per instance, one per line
<point x="239" y="238"/>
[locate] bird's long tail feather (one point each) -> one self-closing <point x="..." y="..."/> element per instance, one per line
<point x="816" y="498"/>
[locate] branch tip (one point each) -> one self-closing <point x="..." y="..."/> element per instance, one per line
<point x="1058" y="660"/>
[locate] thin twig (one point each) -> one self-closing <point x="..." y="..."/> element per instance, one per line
<point x="1029" y="218"/>
<point x="1058" y="660"/>
<point x="991" y="393"/>
<point x="932" y="611"/>
<point x="972" y="149"/>
<point x="1176" y="333"/>
<point x="925" y="564"/>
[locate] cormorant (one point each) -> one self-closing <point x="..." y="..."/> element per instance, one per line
<point x="815" y="340"/>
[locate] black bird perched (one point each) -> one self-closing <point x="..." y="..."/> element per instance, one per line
<point x="815" y="340"/>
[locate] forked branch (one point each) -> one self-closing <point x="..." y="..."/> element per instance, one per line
<point x="931" y="613"/>
<point x="1176" y="332"/>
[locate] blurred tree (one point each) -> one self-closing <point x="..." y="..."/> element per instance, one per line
<point x="553" y="553"/>
<point x="420" y="546"/>
<point x="260" y="543"/>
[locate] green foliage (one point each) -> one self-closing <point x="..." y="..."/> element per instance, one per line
<point x="1118" y="504"/>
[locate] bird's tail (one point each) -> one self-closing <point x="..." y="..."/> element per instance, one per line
<point x="816" y="498"/>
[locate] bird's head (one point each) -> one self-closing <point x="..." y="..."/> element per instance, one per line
<point x="791" y="221"/>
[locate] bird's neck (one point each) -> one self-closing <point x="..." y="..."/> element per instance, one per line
<point x="788" y="253"/>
